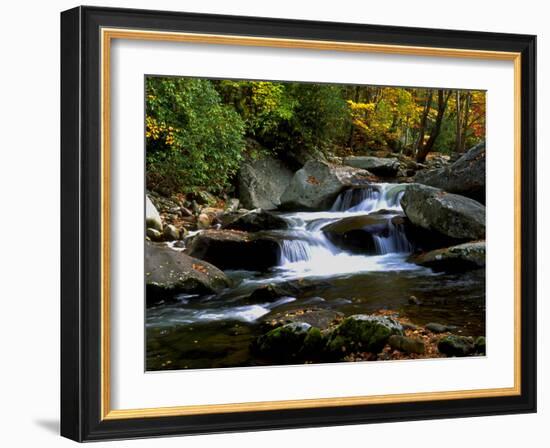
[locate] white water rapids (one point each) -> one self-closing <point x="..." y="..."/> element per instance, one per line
<point x="307" y="252"/>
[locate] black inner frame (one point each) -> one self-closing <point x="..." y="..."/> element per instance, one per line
<point x="81" y="223"/>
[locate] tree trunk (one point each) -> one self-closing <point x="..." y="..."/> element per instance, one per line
<point x="458" y="143"/>
<point x="422" y="131"/>
<point x="442" y="100"/>
<point x="465" y="121"/>
<point x="352" y="126"/>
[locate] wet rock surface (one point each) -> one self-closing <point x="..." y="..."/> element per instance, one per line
<point x="230" y="249"/>
<point x="449" y="214"/>
<point x="385" y="167"/>
<point x="168" y="273"/>
<point x="256" y="221"/>
<point x="317" y="184"/>
<point x="455" y="258"/>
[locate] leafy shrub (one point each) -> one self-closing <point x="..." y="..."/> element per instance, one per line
<point x="193" y="140"/>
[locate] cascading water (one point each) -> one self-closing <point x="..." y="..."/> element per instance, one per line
<point x="394" y="242"/>
<point x="306" y="250"/>
<point x="371" y="199"/>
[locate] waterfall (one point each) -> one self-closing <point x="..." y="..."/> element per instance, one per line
<point x="395" y="241"/>
<point x="370" y="199"/>
<point x="360" y="199"/>
<point x="305" y="246"/>
<point x="294" y="250"/>
<point x="305" y="250"/>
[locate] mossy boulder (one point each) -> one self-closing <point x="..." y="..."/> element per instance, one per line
<point x="453" y="345"/>
<point x="362" y="333"/>
<point x="296" y="341"/>
<point x="480" y="345"/>
<point x="316" y="317"/>
<point x="406" y="345"/>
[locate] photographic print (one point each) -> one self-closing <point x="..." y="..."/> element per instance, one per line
<point x="298" y="223"/>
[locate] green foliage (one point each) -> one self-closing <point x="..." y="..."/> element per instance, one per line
<point x="287" y="116"/>
<point x="319" y="119"/>
<point x="194" y="141"/>
<point x="198" y="130"/>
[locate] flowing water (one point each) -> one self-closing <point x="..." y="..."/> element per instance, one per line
<point x="216" y="330"/>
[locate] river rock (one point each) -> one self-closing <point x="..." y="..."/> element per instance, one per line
<point x="153" y="234"/>
<point x="435" y="327"/>
<point x="453" y="345"/>
<point x="231" y="249"/>
<point x="298" y="156"/>
<point x="376" y="165"/>
<point x="362" y="333"/>
<point x="449" y="214"/>
<point x="170" y="233"/>
<point x="355" y="233"/>
<point x="203" y="221"/>
<point x="316" y="317"/>
<point x="169" y="272"/>
<point x="466" y="176"/>
<point x="232" y="205"/>
<point x="262" y="182"/>
<point x="152" y="216"/>
<point x="296" y="341"/>
<point x="317" y="184"/>
<point x="480" y="345"/>
<point x="406" y="344"/>
<point x="257" y="220"/>
<point x="272" y="291"/>
<point x="458" y="258"/>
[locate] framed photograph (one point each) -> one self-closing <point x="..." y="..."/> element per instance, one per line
<point x="275" y="224"/>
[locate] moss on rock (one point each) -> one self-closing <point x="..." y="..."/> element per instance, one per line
<point x="362" y="333"/>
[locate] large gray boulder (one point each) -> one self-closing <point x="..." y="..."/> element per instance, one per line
<point x="262" y="182"/>
<point x="451" y="215"/>
<point x="385" y="167"/>
<point x="231" y="249"/>
<point x="466" y="176"/>
<point x="169" y="272"/>
<point x="462" y="257"/>
<point x="317" y="184"/>
<point x="152" y="216"/>
<point x="255" y="221"/>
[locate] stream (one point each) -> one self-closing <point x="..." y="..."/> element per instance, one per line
<point x="216" y="330"/>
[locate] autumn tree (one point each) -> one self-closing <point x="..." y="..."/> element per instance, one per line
<point x="425" y="149"/>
